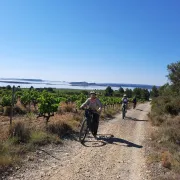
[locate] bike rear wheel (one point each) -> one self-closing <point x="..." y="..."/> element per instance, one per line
<point x="83" y="131"/>
<point x="134" y="106"/>
<point x="123" y="112"/>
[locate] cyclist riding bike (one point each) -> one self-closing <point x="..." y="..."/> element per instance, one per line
<point x="94" y="104"/>
<point x="125" y="101"/>
<point x="134" y="102"/>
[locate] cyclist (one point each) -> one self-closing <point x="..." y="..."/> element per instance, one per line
<point x="134" y="102"/>
<point x="125" y="101"/>
<point x="93" y="103"/>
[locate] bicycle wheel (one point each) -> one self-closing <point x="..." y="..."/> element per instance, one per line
<point x="123" y="112"/>
<point x="83" y="131"/>
<point x="134" y="106"/>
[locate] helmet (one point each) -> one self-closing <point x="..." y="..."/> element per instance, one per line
<point x="93" y="92"/>
<point x="124" y="95"/>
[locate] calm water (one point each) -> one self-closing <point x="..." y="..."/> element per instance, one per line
<point x="63" y="85"/>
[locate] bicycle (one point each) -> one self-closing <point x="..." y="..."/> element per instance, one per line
<point x="86" y="124"/>
<point x="124" y="106"/>
<point x="134" y="105"/>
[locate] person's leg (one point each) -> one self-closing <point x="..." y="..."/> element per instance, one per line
<point x="134" y="105"/>
<point x="88" y="120"/>
<point x="95" y="124"/>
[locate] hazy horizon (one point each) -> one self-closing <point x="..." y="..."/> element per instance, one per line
<point x="46" y="80"/>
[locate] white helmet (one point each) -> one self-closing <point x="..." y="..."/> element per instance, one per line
<point x="125" y="95"/>
<point x="93" y="92"/>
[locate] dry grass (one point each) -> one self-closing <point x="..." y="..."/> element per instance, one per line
<point x="19" y="139"/>
<point x="167" y="141"/>
<point x="64" y="124"/>
<point x="166" y="159"/>
<point x="67" y="107"/>
<point x="41" y="138"/>
<point x="109" y="113"/>
<point x="6" y="110"/>
<point x="4" y="133"/>
<point x="60" y="128"/>
<point x="153" y="157"/>
<point x="7" y="155"/>
<point x="1" y="110"/>
<point x="20" y="131"/>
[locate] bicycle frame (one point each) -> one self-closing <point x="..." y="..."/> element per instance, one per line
<point x="124" y="106"/>
<point x="86" y="124"/>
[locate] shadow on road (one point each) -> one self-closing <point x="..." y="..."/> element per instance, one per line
<point x="104" y="139"/>
<point x="139" y="109"/>
<point x="134" y="119"/>
<point x="93" y="143"/>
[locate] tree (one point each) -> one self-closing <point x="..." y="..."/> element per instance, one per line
<point x="26" y="99"/>
<point x="109" y="91"/>
<point x="47" y="105"/>
<point x="174" y="74"/>
<point x="6" y="100"/>
<point x="137" y="92"/>
<point x="34" y="97"/>
<point x="85" y="92"/>
<point x="129" y="93"/>
<point x="145" y="94"/>
<point x="165" y="90"/>
<point x="8" y="87"/>
<point x="154" y="92"/>
<point x="121" y="90"/>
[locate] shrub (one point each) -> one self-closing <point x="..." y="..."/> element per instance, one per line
<point x="42" y="138"/>
<point x="20" y="132"/>
<point x="67" y="107"/>
<point x="60" y="128"/>
<point x="7" y="158"/>
<point x="19" y="110"/>
<point x="1" y="110"/>
<point x="7" y="111"/>
<point x="166" y="160"/>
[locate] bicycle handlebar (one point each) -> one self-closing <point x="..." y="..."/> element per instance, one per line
<point x="91" y="110"/>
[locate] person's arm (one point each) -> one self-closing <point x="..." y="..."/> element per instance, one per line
<point x="100" y="105"/>
<point x="122" y="100"/>
<point x="85" y="104"/>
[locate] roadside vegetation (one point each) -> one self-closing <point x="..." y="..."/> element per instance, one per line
<point x="165" y="115"/>
<point x="30" y="118"/>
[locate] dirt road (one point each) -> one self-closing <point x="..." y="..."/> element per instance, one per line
<point x="118" y="157"/>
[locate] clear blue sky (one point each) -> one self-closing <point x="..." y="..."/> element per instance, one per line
<point x="125" y="41"/>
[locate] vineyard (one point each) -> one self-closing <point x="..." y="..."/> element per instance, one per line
<point x="44" y="102"/>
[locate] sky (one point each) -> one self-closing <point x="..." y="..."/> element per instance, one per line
<point x="113" y="41"/>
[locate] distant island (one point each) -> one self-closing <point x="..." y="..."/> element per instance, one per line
<point x="19" y="79"/>
<point x="112" y="85"/>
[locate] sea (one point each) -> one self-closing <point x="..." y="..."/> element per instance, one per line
<point x="38" y="83"/>
<point x="27" y="83"/>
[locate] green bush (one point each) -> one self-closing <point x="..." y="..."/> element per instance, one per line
<point x="1" y="110"/>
